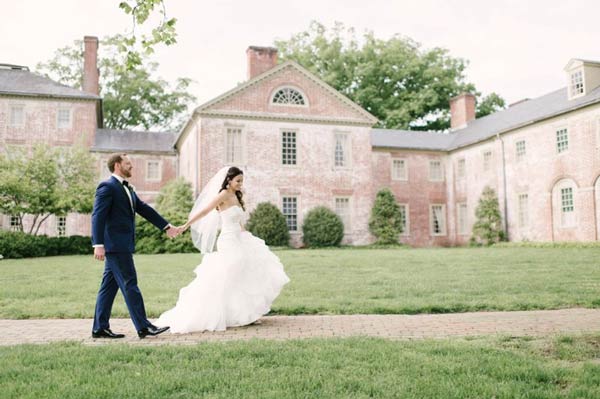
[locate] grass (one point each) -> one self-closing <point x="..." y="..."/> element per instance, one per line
<point x="564" y="367"/>
<point x="331" y="281"/>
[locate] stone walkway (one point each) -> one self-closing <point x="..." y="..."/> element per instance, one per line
<point x="531" y="323"/>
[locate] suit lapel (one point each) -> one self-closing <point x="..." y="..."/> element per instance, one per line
<point x="123" y="188"/>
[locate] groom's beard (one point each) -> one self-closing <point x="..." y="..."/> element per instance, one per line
<point x="126" y="173"/>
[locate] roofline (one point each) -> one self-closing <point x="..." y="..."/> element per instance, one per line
<point x="90" y="97"/>
<point x="387" y="147"/>
<point x="129" y="151"/>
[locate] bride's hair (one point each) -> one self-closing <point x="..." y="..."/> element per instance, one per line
<point x="231" y="174"/>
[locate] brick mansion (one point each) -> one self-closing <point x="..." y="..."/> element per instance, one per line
<point x="302" y="144"/>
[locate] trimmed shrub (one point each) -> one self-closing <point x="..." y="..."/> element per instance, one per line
<point x="174" y="203"/>
<point x="268" y="223"/>
<point x="17" y="245"/>
<point x="487" y="229"/>
<point x="386" y="220"/>
<point x="322" y="228"/>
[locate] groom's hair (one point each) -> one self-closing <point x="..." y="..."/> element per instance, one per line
<point x="113" y="159"/>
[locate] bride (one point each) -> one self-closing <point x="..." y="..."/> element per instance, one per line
<point x="235" y="285"/>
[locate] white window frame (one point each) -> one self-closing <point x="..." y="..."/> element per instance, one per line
<point x="347" y="150"/>
<point x="69" y="123"/>
<point x="61" y="226"/>
<point x="487" y="160"/>
<point x="395" y="175"/>
<point x="242" y="152"/>
<point x="13" y="223"/>
<point x="462" y="219"/>
<point x="347" y="219"/>
<point x="282" y="132"/>
<point x="431" y="170"/>
<point x="523" y="210"/>
<point x="283" y="210"/>
<point x="574" y="90"/>
<point x="159" y="170"/>
<point x="562" y="146"/>
<point x="567" y="210"/>
<point x="406" y="227"/>
<point x="280" y="88"/>
<point x="461" y="168"/>
<point x="520" y="150"/>
<point x="13" y="108"/>
<point x="443" y="221"/>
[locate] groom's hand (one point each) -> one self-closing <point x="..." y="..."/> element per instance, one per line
<point x="172" y="232"/>
<point x="99" y="253"/>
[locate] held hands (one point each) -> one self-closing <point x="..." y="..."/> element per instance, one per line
<point x="174" y="231"/>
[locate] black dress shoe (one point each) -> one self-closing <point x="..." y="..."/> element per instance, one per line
<point x="106" y="333"/>
<point x="151" y="330"/>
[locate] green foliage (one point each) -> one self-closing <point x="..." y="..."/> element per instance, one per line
<point x="402" y="84"/>
<point x="322" y="228"/>
<point x="16" y="245"/>
<point x="386" y="220"/>
<point x="174" y="202"/>
<point x="47" y="181"/>
<point x="268" y="223"/>
<point x="488" y="228"/>
<point x="132" y="98"/>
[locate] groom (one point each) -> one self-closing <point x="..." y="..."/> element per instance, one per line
<point x="113" y="238"/>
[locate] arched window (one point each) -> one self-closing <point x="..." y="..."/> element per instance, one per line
<point x="288" y="96"/>
<point x="563" y="198"/>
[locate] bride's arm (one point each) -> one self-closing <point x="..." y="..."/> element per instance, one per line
<point x="211" y="205"/>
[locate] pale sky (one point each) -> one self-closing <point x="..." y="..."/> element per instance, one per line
<point x="515" y="48"/>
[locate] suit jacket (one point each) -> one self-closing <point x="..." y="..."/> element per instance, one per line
<point x="113" y="219"/>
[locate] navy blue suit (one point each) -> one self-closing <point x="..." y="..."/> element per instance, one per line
<point x="113" y="224"/>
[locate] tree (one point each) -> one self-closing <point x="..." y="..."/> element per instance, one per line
<point x="488" y="226"/>
<point x="164" y="32"/>
<point x="50" y="181"/>
<point x="403" y="85"/>
<point x="132" y="98"/>
<point x="386" y="220"/>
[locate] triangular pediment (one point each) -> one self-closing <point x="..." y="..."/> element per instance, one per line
<point x="254" y="99"/>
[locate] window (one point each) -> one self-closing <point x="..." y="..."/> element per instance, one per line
<point x="399" y="171"/>
<point x="153" y="171"/>
<point x="404" y="219"/>
<point x="435" y="171"/>
<point x="63" y="118"/>
<point x="562" y="140"/>
<point x="290" y="211"/>
<point x="342" y="209"/>
<point x="462" y="219"/>
<point x="521" y="150"/>
<point x="461" y="168"/>
<point x="567" y="207"/>
<point x="234" y="146"/>
<point x="523" y="210"/>
<point x="288" y="148"/>
<point x="15" y="223"/>
<point x="437" y="220"/>
<point x="487" y="160"/>
<point x="61" y="226"/>
<point x="576" y="83"/>
<point x="288" y="96"/>
<point x="341" y="150"/>
<point x="17" y="115"/>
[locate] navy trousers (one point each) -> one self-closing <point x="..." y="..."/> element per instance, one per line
<point x="119" y="273"/>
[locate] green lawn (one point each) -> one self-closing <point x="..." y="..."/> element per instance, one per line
<point x="566" y="367"/>
<point x="333" y="281"/>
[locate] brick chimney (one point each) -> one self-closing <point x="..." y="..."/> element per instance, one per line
<point x="462" y="110"/>
<point x="90" y="65"/>
<point x="260" y="59"/>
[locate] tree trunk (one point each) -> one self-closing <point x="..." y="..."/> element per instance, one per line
<point x="41" y="222"/>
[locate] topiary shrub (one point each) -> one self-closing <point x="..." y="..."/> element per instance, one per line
<point x="386" y="220"/>
<point x="268" y="223"/>
<point x="487" y="229"/>
<point x="322" y="228"/>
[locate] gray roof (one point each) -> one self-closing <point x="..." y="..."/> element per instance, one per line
<point x="21" y="82"/>
<point x="134" y="141"/>
<point x="410" y="139"/>
<point x="521" y="114"/>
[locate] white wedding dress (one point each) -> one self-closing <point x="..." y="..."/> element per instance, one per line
<point x="234" y="286"/>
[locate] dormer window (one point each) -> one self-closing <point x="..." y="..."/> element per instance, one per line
<point x="576" y="86"/>
<point x="288" y="96"/>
